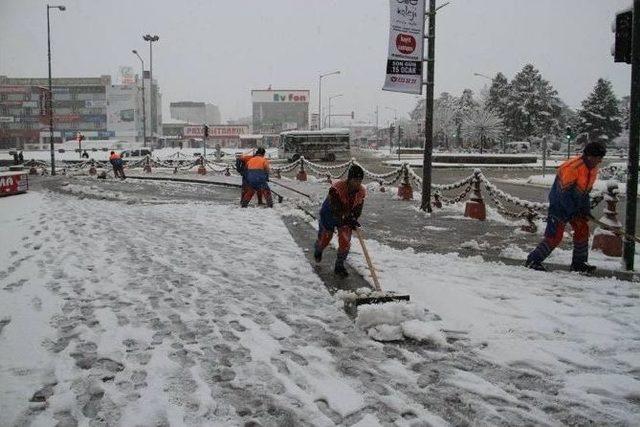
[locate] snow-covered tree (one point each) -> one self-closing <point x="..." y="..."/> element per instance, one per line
<point x="464" y="106"/>
<point x="600" y="116"/>
<point x="624" y="105"/>
<point x="533" y="107"/>
<point x="498" y="99"/>
<point x="483" y="126"/>
<point x="444" y="112"/>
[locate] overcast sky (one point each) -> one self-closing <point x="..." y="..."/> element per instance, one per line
<point x="217" y="51"/>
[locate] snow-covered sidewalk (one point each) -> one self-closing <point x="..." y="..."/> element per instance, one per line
<point x="206" y="314"/>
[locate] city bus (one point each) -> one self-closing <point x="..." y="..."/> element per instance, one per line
<point x="326" y="145"/>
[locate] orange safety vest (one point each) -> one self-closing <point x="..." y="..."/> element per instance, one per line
<point x="258" y="163"/>
<point x="575" y="172"/>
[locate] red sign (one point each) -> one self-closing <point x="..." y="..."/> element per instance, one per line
<point x="406" y="43"/>
<point x="13" y="183"/>
<point x="214" y="131"/>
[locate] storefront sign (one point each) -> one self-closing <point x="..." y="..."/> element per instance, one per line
<point x="215" y="131"/>
<point x="280" y="96"/>
<point x="404" y="62"/>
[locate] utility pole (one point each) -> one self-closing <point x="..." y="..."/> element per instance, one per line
<point x="425" y="204"/>
<point x="634" y="136"/>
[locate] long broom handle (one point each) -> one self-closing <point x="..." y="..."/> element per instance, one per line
<point x="376" y="284"/>
<point x="616" y="231"/>
<point x="289" y="188"/>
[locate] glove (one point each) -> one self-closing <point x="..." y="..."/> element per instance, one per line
<point x="353" y="223"/>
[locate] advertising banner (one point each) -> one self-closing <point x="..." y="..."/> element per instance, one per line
<point x="13" y="183"/>
<point x="406" y="31"/>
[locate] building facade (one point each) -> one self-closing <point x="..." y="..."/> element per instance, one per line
<point x="195" y="112"/>
<point x="125" y="111"/>
<point x="275" y="111"/>
<point x="79" y="105"/>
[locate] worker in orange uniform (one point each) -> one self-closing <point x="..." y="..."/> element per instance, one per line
<point x="569" y="202"/>
<point x="257" y="179"/>
<point x="118" y="165"/>
<point x="341" y="210"/>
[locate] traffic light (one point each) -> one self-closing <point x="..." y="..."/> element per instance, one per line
<point x="622" y="26"/>
<point x="206" y="131"/>
<point x="569" y="133"/>
<point x="400" y="132"/>
<point x="353" y="115"/>
<point x="392" y="129"/>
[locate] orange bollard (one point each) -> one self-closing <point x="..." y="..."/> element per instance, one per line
<point x="475" y="208"/>
<point x="202" y="170"/>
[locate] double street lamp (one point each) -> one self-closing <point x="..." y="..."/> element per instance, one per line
<point x="320" y="96"/>
<point x="149" y="38"/>
<point x="50" y="106"/>
<point x="144" y="112"/>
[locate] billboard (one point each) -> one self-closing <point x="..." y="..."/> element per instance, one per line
<point x="127" y="76"/>
<point x="278" y="110"/>
<point x="404" y="61"/>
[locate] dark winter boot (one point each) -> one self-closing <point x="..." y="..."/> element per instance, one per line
<point x="339" y="268"/>
<point x="317" y="253"/>
<point x="535" y="265"/>
<point x="583" y="268"/>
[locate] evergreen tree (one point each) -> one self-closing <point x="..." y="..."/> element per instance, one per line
<point x="625" y="110"/>
<point x="464" y="106"/>
<point x="498" y="99"/>
<point x="600" y="116"/>
<point x="533" y="107"/>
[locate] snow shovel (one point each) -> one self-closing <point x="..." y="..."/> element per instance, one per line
<point x="290" y="189"/>
<point x="613" y="230"/>
<point x="383" y="296"/>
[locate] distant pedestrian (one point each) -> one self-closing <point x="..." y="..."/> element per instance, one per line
<point x="20" y="157"/>
<point x="341" y="210"/>
<point x="256" y="176"/>
<point x="85" y="155"/>
<point x="16" y="158"/>
<point x="569" y="202"/>
<point x="118" y="165"/>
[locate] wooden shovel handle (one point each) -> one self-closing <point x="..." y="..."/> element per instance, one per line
<point x="376" y="284"/>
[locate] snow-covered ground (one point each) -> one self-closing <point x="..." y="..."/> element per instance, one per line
<point x="206" y="314"/>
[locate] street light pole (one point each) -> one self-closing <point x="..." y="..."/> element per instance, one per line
<point x="330" y="98"/>
<point x="320" y="96"/>
<point x="53" y="158"/>
<point x="634" y="134"/>
<point x="154" y="114"/>
<point x="144" y="112"/>
<point x="395" y="125"/>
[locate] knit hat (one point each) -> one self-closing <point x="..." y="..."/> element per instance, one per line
<point x="355" y="172"/>
<point x="260" y="151"/>
<point x="596" y="149"/>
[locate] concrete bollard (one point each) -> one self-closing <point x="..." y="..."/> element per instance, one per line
<point x="475" y="208"/>
<point x="302" y="174"/>
<point x="147" y="168"/>
<point x="202" y="170"/>
<point x="175" y="170"/>
<point x="278" y="174"/>
<point x="33" y="170"/>
<point x="92" y="170"/>
<point x="607" y="241"/>
<point x="382" y="189"/>
<point x="227" y="172"/>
